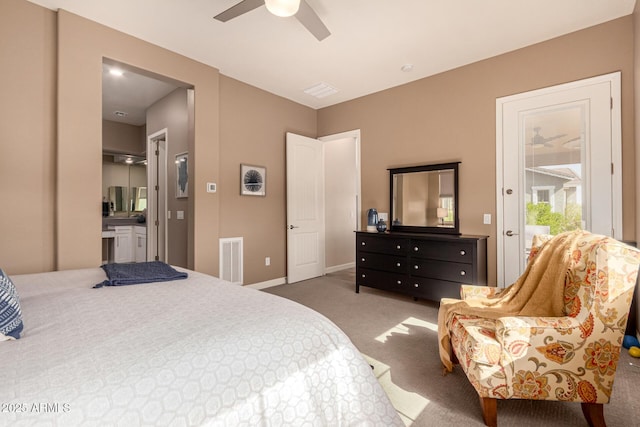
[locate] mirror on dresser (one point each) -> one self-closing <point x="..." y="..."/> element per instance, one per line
<point x="425" y="198"/>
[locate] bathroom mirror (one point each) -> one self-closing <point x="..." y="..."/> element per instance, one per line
<point x="138" y="199"/>
<point x="124" y="180"/>
<point x="425" y="198"/>
<point x="118" y="198"/>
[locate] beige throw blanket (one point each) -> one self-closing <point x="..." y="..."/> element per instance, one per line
<point x="538" y="292"/>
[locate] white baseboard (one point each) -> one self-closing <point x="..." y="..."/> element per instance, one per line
<point x="268" y="283"/>
<point x="335" y="268"/>
<point x="283" y="280"/>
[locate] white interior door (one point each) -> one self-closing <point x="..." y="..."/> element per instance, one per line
<point x="558" y="166"/>
<point x="305" y="208"/>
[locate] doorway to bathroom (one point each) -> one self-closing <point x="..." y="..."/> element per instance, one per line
<point x="140" y="109"/>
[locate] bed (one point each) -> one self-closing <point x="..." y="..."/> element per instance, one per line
<point x="198" y="351"/>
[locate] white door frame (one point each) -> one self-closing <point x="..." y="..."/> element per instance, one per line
<point x="616" y="155"/>
<point x="161" y="173"/>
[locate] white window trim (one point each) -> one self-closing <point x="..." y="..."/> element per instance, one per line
<point x="550" y="189"/>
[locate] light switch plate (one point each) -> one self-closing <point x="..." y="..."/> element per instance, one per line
<point x="211" y="187"/>
<point x="487" y="219"/>
<point x="179" y="214"/>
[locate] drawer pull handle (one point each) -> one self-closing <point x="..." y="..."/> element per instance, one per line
<point x="363" y="244"/>
<point x="415" y="267"/>
<point x="399" y="282"/>
<point x="415" y="285"/>
<point x="463" y="253"/>
<point x="415" y="248"/>
<point x="364" y="275"/>
<point x="463" y="273"/>
<point x="363" y="260"/>
<point x="397" y="246"/>
<point x="397" y="264"/>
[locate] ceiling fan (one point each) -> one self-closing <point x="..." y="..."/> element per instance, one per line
<point x="538" y="140"/>
<point x="298" y="8"/>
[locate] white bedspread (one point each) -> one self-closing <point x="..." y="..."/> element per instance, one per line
<point x="191" y="352"/>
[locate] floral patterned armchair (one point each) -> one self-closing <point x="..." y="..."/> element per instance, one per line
<point x="571" y="358"/>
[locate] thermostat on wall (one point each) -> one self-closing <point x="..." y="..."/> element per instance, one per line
<point x="211" y="187"/>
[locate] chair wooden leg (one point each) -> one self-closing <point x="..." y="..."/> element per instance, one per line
<point x="489" y="408"/>
<point x="594" y="414"/>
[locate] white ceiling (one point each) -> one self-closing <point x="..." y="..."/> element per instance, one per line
<point x="126" y="97"/>
<point x="369" y="43"/>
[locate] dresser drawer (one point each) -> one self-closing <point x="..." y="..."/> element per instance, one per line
<point x="382" y="280"/>
<point x="434" y="289"/>
<point x="385" y="245"/>
<point x="375" y="261"/>
<point x="448" y="251"/>
<point x="454" y="271"/>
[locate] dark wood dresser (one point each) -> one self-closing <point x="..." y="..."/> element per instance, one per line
<point x="429" y="266"/>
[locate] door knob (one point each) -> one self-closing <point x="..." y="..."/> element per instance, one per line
<point x="509" y="191"/>
<point x="510" y="233"/>
<point x="291" y="227"/>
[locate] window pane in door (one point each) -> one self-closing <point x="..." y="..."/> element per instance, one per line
<point x="554" y="146"/>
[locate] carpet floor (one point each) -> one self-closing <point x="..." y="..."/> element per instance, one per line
<point x="399" y="338"/>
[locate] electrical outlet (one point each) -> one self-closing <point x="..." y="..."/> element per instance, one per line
<point x="267" y="261"/>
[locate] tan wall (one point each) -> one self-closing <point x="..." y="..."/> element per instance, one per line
<point x="172" y="113"/>
<point x="451" y="117"/>
<point x="122" y="138"/>
<point x="253" y="124"/>
<point x="82" y="44"/>
<point x="27" y="137"/>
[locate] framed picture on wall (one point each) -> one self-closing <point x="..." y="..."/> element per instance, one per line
<point x="182" y="175"/>
<point x="253" y="180"/>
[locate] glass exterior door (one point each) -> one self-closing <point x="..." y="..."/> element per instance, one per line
<point x="558" y="166"/>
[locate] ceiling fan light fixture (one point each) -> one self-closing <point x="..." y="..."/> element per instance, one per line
<point x="282" y="8"/>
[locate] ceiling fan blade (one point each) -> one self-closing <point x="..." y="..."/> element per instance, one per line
<point x="310" y="19"/>
<point x="239" y="9"/>
<point x="552" y="138"/>
<point x="573" y="142"/>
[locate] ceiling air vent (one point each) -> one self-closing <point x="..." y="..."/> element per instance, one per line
<point x="320" y="90"/>
<point x="120" y="114"/>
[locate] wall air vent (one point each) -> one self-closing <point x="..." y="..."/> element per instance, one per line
<point x="320" y="90"/>
<point x="231" y="259"/>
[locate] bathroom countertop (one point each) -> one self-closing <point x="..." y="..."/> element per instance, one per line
<point x="115" y="221"/>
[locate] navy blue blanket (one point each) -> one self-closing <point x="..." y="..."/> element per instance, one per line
<point x="140" y="272"/>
